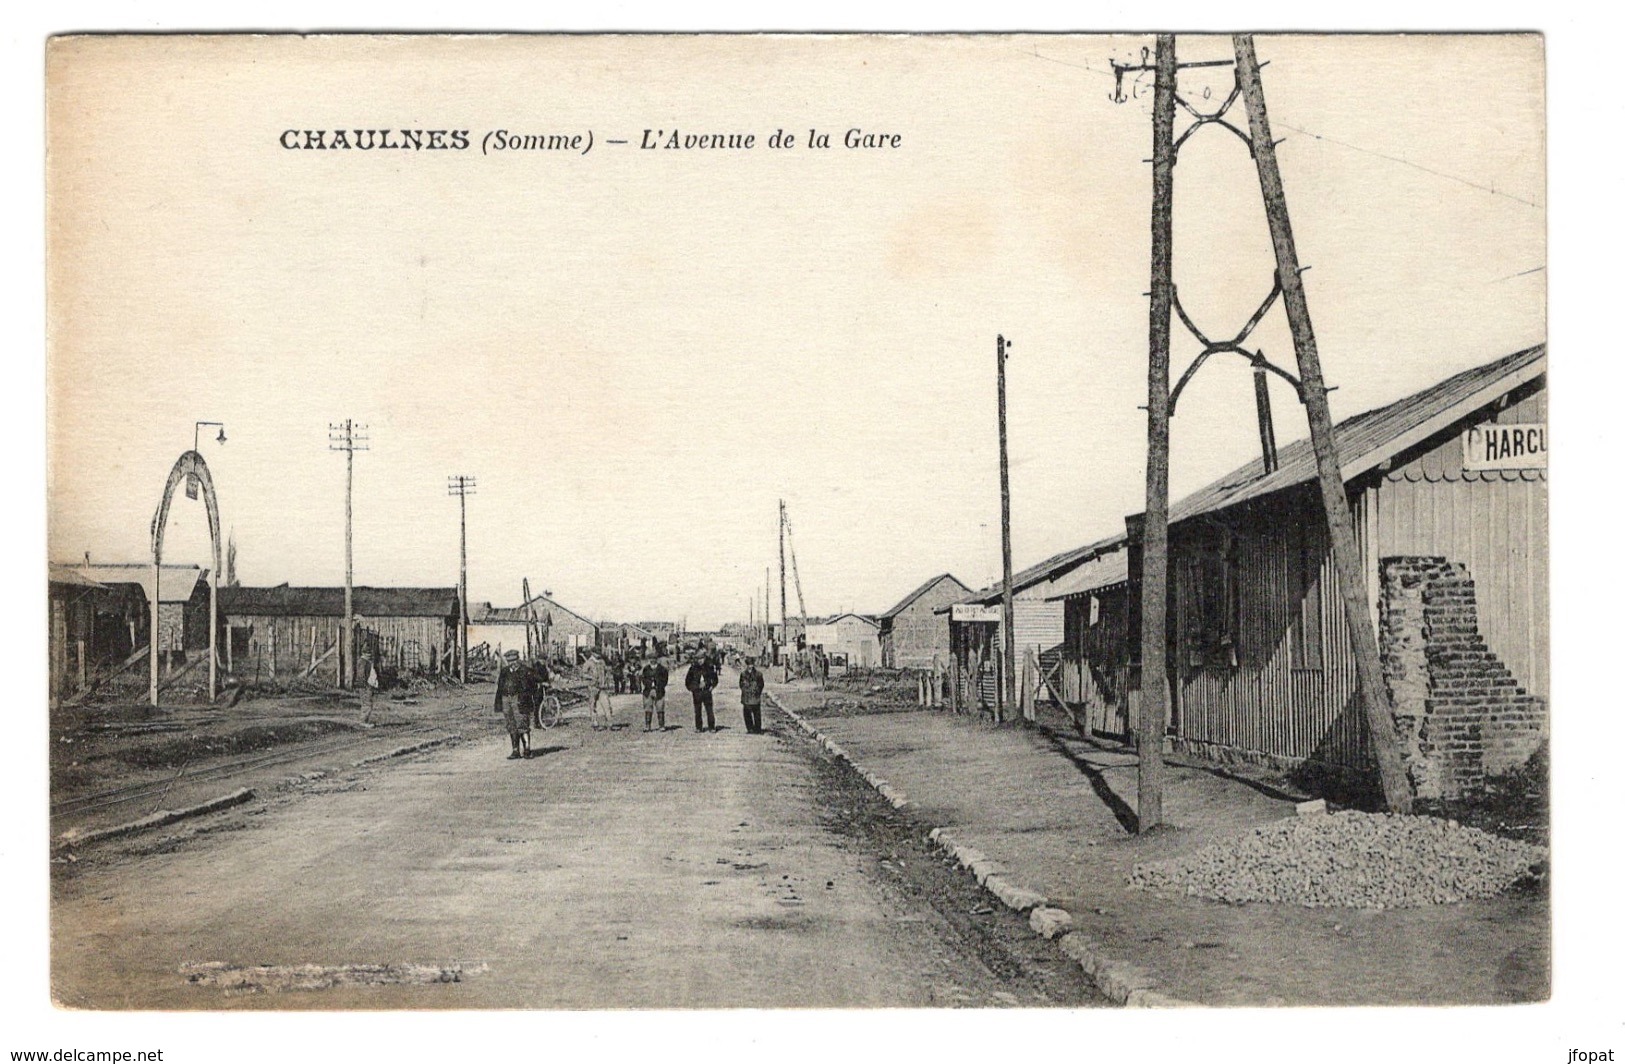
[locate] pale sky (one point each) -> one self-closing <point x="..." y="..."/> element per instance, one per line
<point x="639" y="352"/>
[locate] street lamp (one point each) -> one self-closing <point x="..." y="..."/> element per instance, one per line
<point x="191" y="478"/>
<point x="215" y="424"/>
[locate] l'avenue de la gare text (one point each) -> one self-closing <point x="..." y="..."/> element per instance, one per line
<point x="855" y="137"/>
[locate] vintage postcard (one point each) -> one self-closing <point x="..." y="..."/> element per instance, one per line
<point x="797" y="521"/>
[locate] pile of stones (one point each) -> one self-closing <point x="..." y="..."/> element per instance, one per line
<point x="1348" y="859"/>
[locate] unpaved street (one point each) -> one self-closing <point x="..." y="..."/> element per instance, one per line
<point x="614" y="869"/>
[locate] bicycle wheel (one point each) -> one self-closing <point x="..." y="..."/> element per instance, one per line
<point x="550" y="712"/>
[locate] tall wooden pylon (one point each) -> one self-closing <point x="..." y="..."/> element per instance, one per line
<point x="1153" y="719"/>
<point x="1373" y="693"/>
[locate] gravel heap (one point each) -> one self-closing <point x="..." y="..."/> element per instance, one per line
<point x="1350" y="859"/>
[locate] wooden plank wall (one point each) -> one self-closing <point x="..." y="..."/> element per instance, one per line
<point x="404" y="642"/>
<point x="1300" y="705"/>
<point x="1255" y="696"/>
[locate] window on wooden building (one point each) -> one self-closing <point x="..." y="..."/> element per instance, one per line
<point x="1308" y="651"/>
<point x="1211" y="617"/>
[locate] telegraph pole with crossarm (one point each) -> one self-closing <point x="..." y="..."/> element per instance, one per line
<point x="349" y="437"/>
<point x="462" y="486"/>
<point x="1309" y="386"/>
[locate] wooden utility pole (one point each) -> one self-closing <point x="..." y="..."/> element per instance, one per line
<point x="784" y="598"/>
<point x="1007" y="678"/>
<point x="462" y="487"/>
<point x="1154" y="566"/>
<point x="349" y="438"/>
<point x="1373" y="693"/>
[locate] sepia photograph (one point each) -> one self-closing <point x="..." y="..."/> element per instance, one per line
<point x="797" y="521"/>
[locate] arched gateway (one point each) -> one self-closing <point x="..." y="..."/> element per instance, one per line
<point x="191" y="468"/>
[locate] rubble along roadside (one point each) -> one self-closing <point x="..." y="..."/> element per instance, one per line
<point x="1057" y="815"/>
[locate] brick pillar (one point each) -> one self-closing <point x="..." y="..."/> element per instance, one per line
<point x="1460" y="712"/>
<point x="1405" y="663"/>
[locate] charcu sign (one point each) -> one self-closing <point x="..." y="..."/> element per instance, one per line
<point x="1510" y="446"/>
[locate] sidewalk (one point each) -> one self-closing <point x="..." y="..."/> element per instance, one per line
<point x="1057" y="813"/>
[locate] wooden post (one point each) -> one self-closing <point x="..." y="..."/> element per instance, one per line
<point x="346" y="650"/>
<point x="152" y="636"/>
<point x="1007" y="684"/>
<point x="1373" y="693"/>
<point x="1266" y="423"/>
<point x="998" y="683"/>
<point x="1153" y="716"/>
<point x="784" y="599"/>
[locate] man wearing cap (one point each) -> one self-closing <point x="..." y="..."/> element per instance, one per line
<point x="510" y="702"/>
<point x="751" y="684"/>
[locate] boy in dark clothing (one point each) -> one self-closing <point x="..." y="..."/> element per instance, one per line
<point x="654" y="679"/>
<point x="751" y="684"/>
<point x="701" y="678"/>
<point x="511" y="703"/>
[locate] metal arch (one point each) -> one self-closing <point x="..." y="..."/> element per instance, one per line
<point x="1229" y="347"/>
<point x="189" y="465"/>
<point x="1204" y="118"/>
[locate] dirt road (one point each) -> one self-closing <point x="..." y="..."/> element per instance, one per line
<point x="614" y="869"/>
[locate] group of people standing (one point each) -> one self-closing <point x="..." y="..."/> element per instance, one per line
<point x="520" y="686"/>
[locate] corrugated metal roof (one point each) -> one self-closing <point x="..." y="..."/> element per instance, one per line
<point x="545" y="607"/>
<point x="63" y="574"/>
<point x="908" y="600"/>
<point x="1093" y="575"/>
<point x="285" y="601"/>
<point x="837" y="618"/>
<point x="176" y="584"/>
<point x="1048" y="569"/>
<point x="1366" y="440"/>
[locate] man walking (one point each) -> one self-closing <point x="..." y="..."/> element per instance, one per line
<point x="602" y="709"/>
<point x="510" y="702"/>
<point x="701" y="678"/>
<point x="751" y="684"/>
<point x="654" y="679"/>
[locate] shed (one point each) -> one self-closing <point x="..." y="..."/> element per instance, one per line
<point x="1449" y="498"/>
<point x="852" y="634"/>
<point x="975" y="624"/>
<point x="1098" y="674"/>
<point x="294" y="631"/>
<point x="183" y="602"/>
<point x="569" y="634"/>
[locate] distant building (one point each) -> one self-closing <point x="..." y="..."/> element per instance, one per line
<point x="623" y="638"/>
<point x="976" y="630"/>
<point x="93" y="626"/>
<point x="183" y="607"/>
<point x="1098" y="678"/>
<point x="568" y="633"/>
<point x="913" y="635"/>
<point x="851" y="634"/>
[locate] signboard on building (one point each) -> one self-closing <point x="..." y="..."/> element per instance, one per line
<point x="965" y="611"/>
<point x="1510" y="446"/>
